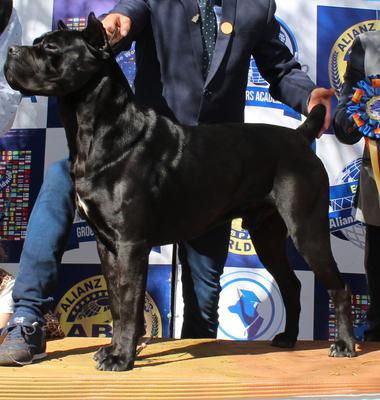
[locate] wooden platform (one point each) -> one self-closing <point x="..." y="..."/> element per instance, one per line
<point x="195" y="369"/>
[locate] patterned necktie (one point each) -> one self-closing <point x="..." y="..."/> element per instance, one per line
<point x="208" y="31"/>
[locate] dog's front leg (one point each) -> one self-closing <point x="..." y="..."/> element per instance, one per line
<point x="112" y="276"/>
<point x="126" y="280"/>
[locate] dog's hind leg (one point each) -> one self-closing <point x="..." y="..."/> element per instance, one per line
<point x="269" y="236"/>
<point x="126" y="280"/>
<point x="306" y="217"/>
<point x="317" y="253"/>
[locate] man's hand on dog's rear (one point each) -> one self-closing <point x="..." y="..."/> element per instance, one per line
<point x="322" y="96"/>
<point x="120" y="23"/>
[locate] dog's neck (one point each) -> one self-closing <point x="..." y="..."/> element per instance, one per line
<point x="83" y="131"/>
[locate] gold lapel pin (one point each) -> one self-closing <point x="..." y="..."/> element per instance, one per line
<point x="195" y="19"/>
<point x="226" y="28"/>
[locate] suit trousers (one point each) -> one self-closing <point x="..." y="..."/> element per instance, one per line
<point x="372" y="268"/>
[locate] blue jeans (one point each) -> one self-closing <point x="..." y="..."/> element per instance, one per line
<point x="48" y="231"/>
<point x="46" y="238"/>
<point x="202" y="262"/>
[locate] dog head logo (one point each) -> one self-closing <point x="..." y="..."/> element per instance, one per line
<point x="54" y="64"/>
<point x="84" y="311"/>
<point x="250" y="306"/>
<point x="246" y="308"/>
<point x="341" y="50"/>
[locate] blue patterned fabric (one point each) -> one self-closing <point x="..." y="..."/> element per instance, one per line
<point x="208" y="31"/>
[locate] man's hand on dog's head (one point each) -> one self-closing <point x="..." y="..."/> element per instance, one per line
<point x="120" y="23"/>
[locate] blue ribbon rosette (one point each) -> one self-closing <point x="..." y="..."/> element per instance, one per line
<point x="363" y="108"/>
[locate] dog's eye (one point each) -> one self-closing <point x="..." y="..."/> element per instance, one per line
<point x="50" y="46"/>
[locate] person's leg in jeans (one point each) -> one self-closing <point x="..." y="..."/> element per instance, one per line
<point x="47" y="234"/>
<point x="202" y="261"/>
<point x="372" y="268"/>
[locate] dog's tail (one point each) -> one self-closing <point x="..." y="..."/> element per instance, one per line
<point x="313" y="124"/>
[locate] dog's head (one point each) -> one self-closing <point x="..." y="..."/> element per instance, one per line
<point x="59" y="62"/>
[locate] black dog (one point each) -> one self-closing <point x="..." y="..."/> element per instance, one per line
<point x="138" y="176"/>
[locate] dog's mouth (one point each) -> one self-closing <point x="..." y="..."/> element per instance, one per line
<point x="10" y="77"/>
<point x="13" y="80"/>
<point x="14" y="84"/>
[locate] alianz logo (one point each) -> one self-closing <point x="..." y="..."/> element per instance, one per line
<point x="340" y="52"/>
<point x="250" y="306"/>
<point x="84" y="310"/>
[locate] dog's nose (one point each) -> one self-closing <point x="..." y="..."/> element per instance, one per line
<point x="13" y="50"/>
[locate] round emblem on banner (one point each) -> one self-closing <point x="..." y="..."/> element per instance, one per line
<point x="226" y="27"/>
<point x="152" y="317"/>
<point x="373" y="108"/>
<point x="343" y="224"/>
<point x="340" y="52"/>
<point x="250" y="306"/>
<point x="84" y="310"/>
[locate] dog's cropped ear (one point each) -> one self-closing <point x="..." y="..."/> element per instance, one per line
<point x="62" y="26"/>
<point x="96" y="36"/>
<point x="39" y="39"/>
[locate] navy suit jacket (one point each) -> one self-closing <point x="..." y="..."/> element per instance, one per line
<point x="169" y="52"/>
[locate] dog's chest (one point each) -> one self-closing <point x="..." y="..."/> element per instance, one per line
<point x="82" y="206"/>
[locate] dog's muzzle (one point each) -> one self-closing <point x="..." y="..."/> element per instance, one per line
<point x="13" y="52"/>
<point x="12" y="67"/>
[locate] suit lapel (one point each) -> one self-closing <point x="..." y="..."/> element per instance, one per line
<point x="193" y="21"/>
<point x="228" y="15"/>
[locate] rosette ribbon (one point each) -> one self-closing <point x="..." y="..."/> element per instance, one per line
<point x="363" y="109"/>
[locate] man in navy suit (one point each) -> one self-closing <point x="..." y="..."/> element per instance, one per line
<point x="171" y="80"/>
<point x="171" y="77"/>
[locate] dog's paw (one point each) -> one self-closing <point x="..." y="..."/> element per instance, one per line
<point x="342" y="348"/>
<point x="115" y="363"/>
<point x="102" y="353"/>
<point x="284" y="340"/>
